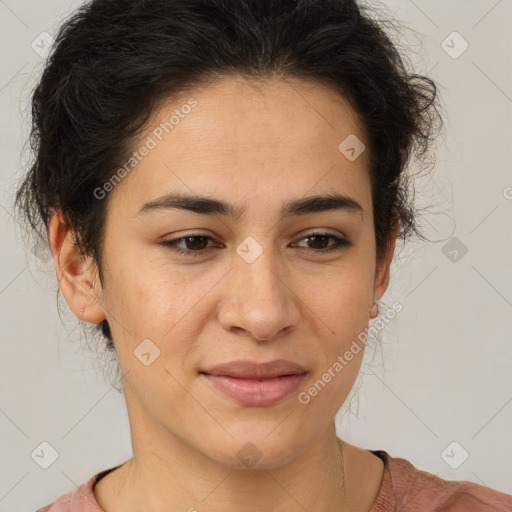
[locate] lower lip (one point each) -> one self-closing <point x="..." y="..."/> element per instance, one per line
<point x="256" y="393"/>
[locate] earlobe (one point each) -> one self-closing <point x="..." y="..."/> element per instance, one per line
<point x="75" y="273"/>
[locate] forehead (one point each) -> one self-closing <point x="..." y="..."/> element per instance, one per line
<point x="239" y="138"/>
<point x="242" y="112"/>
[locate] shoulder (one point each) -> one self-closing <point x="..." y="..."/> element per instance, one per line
<point x="405" y="488"/>
<point x="80" y="500"/>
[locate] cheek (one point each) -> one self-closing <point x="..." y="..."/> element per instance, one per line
<point x="152" y="303"/>
<point x="342" y="298"/>
<point x="138" y="294"/>
<point x="341" y="305"/>
<point x="344" y="308"/>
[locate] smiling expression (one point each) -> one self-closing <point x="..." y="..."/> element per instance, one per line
<point x="255" y="177"/>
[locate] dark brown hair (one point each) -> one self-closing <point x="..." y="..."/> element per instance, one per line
<point x="114" y="60"/>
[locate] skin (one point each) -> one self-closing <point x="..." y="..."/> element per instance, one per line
<point x="255" y="144"/>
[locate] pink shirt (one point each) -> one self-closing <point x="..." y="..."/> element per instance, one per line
<point x="403" y="489"/>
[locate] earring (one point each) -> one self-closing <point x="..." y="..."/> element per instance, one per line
<point x="374" y="311"/>
<point x="82" y="312"/>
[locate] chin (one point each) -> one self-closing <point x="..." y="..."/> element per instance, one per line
<point x="255" y="451"/>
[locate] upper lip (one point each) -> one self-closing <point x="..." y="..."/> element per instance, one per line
<point x="243" y="369"/>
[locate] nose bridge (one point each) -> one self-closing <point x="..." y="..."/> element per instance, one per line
<point x="260" y="276"/>
<point x="258" y="271"/>
<point x="260" y="300"/>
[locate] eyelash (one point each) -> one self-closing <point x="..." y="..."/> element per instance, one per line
<point x="172" y="244"/>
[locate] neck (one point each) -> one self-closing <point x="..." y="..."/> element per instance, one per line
<point x="181" y="478"/>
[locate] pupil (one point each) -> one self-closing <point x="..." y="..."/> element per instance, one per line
<point x="323" y="237"/>
<point x="194" y="246"/>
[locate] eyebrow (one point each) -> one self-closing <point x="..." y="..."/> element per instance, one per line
<point x="211" y="206"/>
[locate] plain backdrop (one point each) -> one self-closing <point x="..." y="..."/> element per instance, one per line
<point x="438" y="389"/>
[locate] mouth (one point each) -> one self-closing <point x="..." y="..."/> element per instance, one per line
<point x="256" y="392"/>
<point x="256" y="384"/>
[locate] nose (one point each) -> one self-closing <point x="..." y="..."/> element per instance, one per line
<point x="259" y="299"/>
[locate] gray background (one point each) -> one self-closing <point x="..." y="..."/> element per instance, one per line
<point x="443" y="374"/>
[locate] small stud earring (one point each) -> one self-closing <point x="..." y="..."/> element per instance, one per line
<point x="374" y="311"/>
<point x="82" y="312"/>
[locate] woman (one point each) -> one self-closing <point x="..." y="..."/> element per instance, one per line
<point x="222" y="184"/>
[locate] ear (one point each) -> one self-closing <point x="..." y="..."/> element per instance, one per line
<point x="381" y="281"/>
<point x="76" y="273"/>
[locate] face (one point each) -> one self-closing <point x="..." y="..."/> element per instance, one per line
<point x="250" y="284"/>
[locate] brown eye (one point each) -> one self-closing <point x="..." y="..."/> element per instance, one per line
<point x="196" y="245"/>
<point x="320" y="241"/>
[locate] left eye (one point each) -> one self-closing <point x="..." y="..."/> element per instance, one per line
<point x="317" y="238"/>
<point x="321" y="237"/>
